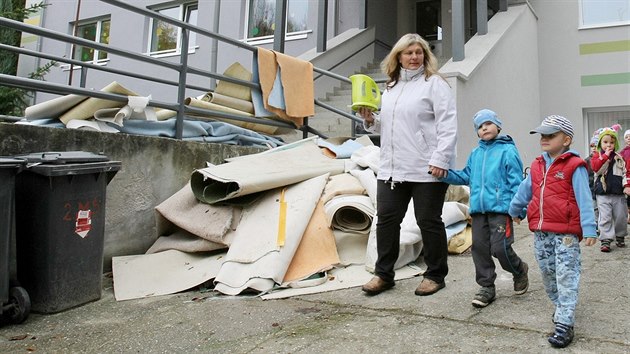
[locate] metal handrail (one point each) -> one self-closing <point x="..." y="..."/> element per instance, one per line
<point x="50" y="87"/>
<point x="78" y="63"/>
<point x="182" y="68"/>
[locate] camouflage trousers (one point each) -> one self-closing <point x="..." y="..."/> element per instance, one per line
<point x="558" y="257"/>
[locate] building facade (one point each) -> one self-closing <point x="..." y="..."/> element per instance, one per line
<point x="539" y="57"/>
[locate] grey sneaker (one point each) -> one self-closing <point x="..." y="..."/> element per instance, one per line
<point x="521" y="281"/>
<point x="484" y="296"/>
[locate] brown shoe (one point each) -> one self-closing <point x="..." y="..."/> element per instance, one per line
<point x="376" y="286"/>
<point x="428" y="287"/>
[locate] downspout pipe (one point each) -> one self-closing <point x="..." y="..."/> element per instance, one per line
<point x="214" y="51"/>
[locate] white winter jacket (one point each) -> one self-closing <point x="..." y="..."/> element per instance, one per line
<point x="418" y="128"/>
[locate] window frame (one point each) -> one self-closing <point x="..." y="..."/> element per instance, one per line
<point x="582" y="25"/>
<point x="184" y="14"/>
<point x="592" y="122"/>
<point x="99" y="28"/>
<point x="288" y="36"/>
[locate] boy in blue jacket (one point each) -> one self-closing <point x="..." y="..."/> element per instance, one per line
<point x="493" y="171"/>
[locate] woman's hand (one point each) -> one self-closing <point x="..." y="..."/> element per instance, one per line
<point x="437" y="172"/>
<point x="366" y="114"/>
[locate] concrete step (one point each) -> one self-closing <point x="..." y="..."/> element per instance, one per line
<point x="347" y="90"/>
<point x="337" y="99"/>
<point x="333" y="124"/>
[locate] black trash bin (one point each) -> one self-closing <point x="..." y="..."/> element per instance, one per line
<point x="60" y="222"/>
<point x="14" y="300"/>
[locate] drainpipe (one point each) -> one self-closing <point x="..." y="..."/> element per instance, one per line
<point x="215" y="43"/>
<point x="181" y="87"/>
<point x="363" y="14"/>
<point x="281" y="25"/>
<point x="503" y="5"/>
<point x="458" y="29"/>
<point x="322" y="25"/>
<point x="482" y="17"/>
<point x="74" y="33"/>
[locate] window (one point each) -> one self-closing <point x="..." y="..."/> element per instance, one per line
<point x="97" y="31"/>
<point x="262" y="17"/>
<point x="165" y="37"/>
<point x="428" y="20"/>
<point x="599" y="13"/>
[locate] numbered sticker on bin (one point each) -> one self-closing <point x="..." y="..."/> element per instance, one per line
<point x="83" y="223"/>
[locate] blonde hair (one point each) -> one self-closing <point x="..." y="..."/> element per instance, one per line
<point x="391" y="64"/>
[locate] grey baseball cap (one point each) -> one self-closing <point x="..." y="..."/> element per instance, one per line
<point x="553" y="124"/>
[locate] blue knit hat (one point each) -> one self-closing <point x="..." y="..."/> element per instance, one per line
<point x="486" y="115"/>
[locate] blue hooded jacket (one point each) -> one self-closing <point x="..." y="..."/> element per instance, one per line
<point x="494" y="171"/>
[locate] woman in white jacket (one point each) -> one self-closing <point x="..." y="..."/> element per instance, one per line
<point x="418" y="127"/>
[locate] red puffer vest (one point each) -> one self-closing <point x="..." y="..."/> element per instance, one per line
<point x="553" y="207"/>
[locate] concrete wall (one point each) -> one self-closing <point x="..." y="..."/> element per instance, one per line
<point x="494" y="75"/>
<point x="562" y="66"/>
<point x="153" y="169"/>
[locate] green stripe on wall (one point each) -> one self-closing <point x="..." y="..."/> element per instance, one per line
<point x="605" y="79"/>
<point x="605" y="47"/>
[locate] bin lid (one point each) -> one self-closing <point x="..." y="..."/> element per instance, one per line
<point x="9" y="162"/>
<point x="53" y="170"/>
<point x="62" y="157"/>
<point x="62" y="163"/>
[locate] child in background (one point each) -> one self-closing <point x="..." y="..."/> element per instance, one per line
<point x="591" y="175"/>
<point x="559" y="210"/>
<point x="494" y="171"/>
<point x="625" y="153"/>
<point x="612" y="183"/>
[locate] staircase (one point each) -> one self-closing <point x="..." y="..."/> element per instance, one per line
<point x="330" y="123"/>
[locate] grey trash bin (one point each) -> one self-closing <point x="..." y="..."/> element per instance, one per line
<point x="14" y="300"/>
<point x="60" y="225"/>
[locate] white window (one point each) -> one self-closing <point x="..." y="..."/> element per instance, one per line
<point x="167" y="38"/>
<point x="262" y="16"/>
<point x="600" y="13"/>
<point x="94" y="30"/>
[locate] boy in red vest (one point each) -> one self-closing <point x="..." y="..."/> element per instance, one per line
<point x="559" y="209"/>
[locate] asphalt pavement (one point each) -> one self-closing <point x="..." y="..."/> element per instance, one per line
<point x="347" y="321"/>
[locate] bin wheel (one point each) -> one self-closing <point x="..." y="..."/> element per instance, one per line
<point x="20" y="305"/>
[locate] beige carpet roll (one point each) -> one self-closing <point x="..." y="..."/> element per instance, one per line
<point x="231" y="102"/>
<point x="53" y="108"/>
<point x="267" y="238"/>
<point x="87" y="108"/>
<point x="193" y="102"/>
<point x="164" y="114"/>
<point x="237" y="71"/>
<point x="183" y="211"/>
<point x="259" y="172"/>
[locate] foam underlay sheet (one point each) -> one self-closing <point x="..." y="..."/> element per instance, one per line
<point x="342" y="278"/>
<point x="162" y="273"/>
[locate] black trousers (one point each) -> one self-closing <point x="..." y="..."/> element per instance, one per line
<point x="493" y="236"/>
<point x="428" y="200"/>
